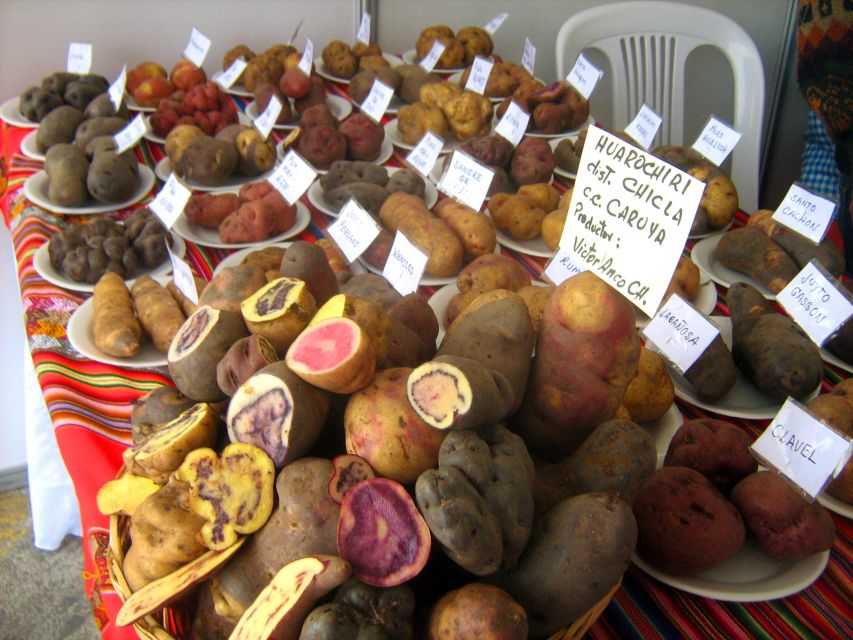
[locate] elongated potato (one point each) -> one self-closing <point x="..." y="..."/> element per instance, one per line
<point x="157" y="310"/>
<point x="117" y="331"/>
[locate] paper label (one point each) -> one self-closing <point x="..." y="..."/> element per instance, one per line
<point x="364" y="29"/>
<point x="116" y="89"/>
<point x="466" y="180"/>
<point x="716" y="141"/>
<point x="806" y="213"/>
<point x="292" y="177"/>
<point x="681" y="333"/>
<point x="422" y="158"/>
<point x="495" y="23"/>
<point x="479" y="75"/>
<point x="431" y="59"/>
<point x="405" y="265"/>
<point x="183" y="277"/>
<point x="514" y="123"/>
<point x="528" y="56"/>
<point x="377" y="101"/>
<point x="815" y="303"/>
<point x="802" y="448"/>
<point x="562" y="267"/>
<point x="353" y="230"/>
<point x="227" y="78"/>
<point x="79" y="57"/>
<point x="584" y="76"/>
<point x="629" y="217"/>
<point x="644" y="127"/>
<point x="307" y="58"/>
<point x="266" y="120"/>
<point x="131" y="134"/>
<point x="170" y="202"/>
<point x="197" y="48"/>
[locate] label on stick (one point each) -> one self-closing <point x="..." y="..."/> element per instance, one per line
<point x="197" y="48"/>
<point x="466" y="180"/>
<point x="292" y="177"/>
<point x="680" y="332"/>
<point x="528" y="56"/>
<point x="307" y="58"/>
<point x="116" y="89"/>
<point x="495" y="23"/>
<point x="716" y="141"/>
<point x="815" y="302"/>
<point x="131" y="134"/>
<point x="79" y="57"/>
<point x="227" y="78"/>
<point x="806" y="213"/>
<point x="171" y="200"/>
<point x="431" y="58"/>
<point x="377" y="101"/>
<point x="425" y="153"/>
<point x="584" y="76"/>
<point x="353" y="230"/>
<point x="644" y="126"/>
<point x="514" y="123"/>
<point x="405" y="265"/>
<point x="562" y="267"/>
<point x="266" y="120"/>
<point x="364" y="29"/>
<point x="479" y="76"/>
<point x="183" y="276"/>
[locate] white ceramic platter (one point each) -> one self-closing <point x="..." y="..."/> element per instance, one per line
<point x="36" y="190"/>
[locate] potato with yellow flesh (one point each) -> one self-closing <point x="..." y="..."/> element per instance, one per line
<point x="279" y="311"/>
<point x="124" y="494"/>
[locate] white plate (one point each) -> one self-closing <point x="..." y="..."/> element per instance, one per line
<point x="36" y="189"/>
<point x="210" y="237"/>
<point x="833" y="359"/>
<point x="82" y="338"/>
<point x="242" y="118"/>
<point x="535" y="247"/>
<point x="133" y="105"/>
<point x="340" y="108"/>
<point x="43" y="267"/>
<point x="836" y="505"/>
<point x="237" y="257"/>
<point x="385" y="154"/>
<point x="706" y="300"/>
<point x="553" y="142"/>
<point x="11" y="114"/>
<point x="709" y="233"/>
<point x="29" y="147"/>
<point x="744" y="400"/>
<point x="321" y="70"/>
<point x="317" y="197"/>
<point x="662" y="430"/>
<point x="703" y="255"/>
<point x="450" y="142"/>
<point x="533" y="132"/>
<point x="237" y="89"/>
<point x="411" y="57"/>
<point x="748" y="576"/>
<point x="426" y="280"/>
<point x="393" y="106"/>
<point x="235" y="181"/>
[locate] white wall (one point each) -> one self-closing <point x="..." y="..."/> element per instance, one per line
<point x="12" y="443"/>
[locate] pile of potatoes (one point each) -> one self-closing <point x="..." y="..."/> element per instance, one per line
<point x="66" y="89"/>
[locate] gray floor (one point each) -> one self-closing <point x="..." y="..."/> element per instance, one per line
<point x="41" y="592"/>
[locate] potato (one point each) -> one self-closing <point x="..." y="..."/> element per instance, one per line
<point x="798" y="247"/>
<point x="179" y="139"/>
<point x="714" y="373"/>
<point x="306" y="261"/>
<point x="684" y="281"/>
<point x="552" y="228"/>
<point x="370" y="196"/>
<point x="96" y="127"/>
<point x="492" y="271"/>
<point x="477" y="612"/>
<point x="836" y="409"/>
<point x="231" y="285"/>
<point x="112" y="177"/>
<point x="536" y="298"/>
<point x="58" y="126"/>
<point x="255" y="155"/>
<point x="206" y="160"/>
<point x="437" y="240"/>
<point x="517" y="215"/>
<point x="66" y="167"/>
<point x="35" y="103"/>
<point x="397" y="205"/>
<point x="650" y="393"/>
<point x="749" y="251"/>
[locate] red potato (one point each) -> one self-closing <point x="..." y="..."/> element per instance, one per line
<point x="252" y="222"/>
<point x="295" y="83"/>
<point x="284" y="215"/>
<point x="208" y="210"/>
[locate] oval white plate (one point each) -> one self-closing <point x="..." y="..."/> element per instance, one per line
<point x="703" y="255"/>
<point x="133" y="105"/>
<point x="391" y="133"/>
<point x="535" y="247"/>
<point x="29" y="147"/>
<point x="321" y="70"/>
<point x="411" y="57"/>
<point x="237" y="257"/>
<point x="709" y="233"/>
<point x="536" y="133"/>
<point x="36" y="188"/>
<point x="339" y="107"/>
<point x="82" y="338"/>
<point x="706" y="300"/>
<point x="11" y="114"/>
<point x="662" y="430"/>
<point x="426" y="280"/>
<point x="835" y="505"/>
<point x="43" y="267"/>
<point x="242" y="118"/>
<point x="164" y="170"/>
<point x="553" y="142"/>
<point x="385" y="154"/>
<point x="210" y="237"/>
<point x="317" y="197"/>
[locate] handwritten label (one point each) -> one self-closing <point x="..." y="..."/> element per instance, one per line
<point x="802" y="448"/>
<point x="805" y="212"/>
<point x="528" y="56"/>
<point x="426" y="152"/>
<point x="466" y="180"/>
<point x="584" y="76"/>
<point x="131" y="134"/>
<point x="716" y="141"/>
<point x="680" y="332"/>
<point x="364" y="29"/>
<point x="79" y="57"/>
<point x="227" y="78"/>
<point x="815" y="303"/>
<point x="562" y="267"/>
<point x="292" y="177"/>
<point x="405" y="265"/>
<point x="197" y="48"/>
<point x="116" y="89"/>
<point x="353" y="230"/>
<point x="377" y="101"/>
<point x="644" y="126"/>
<point x="307" y="58"/>
<point x="171" y="200"/>
<point x="514" y="123"/>
<point x="266" y="120"/>
<point x="479" y="76"/>
<point x="431" y="59"/>
<point x="629" y="217"/>
<point x="495" y="23"/>
<point x="183" y="276"/>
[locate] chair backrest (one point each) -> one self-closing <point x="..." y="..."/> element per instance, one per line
<point x="647" y="44"/>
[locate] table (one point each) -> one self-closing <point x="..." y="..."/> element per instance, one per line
<point x="90" y="403"/>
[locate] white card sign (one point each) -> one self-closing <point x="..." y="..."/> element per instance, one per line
<point x="495" y="23"/>
<point x="377" y="101"/>
<point x="227" y="78"/>
<point x="353" y="230"/>
<point x="405" y="265"/>
<point x="431" y="58"/>
<point x="292" y="177"/>
<point x="815" y="303"/>
<point x="805" y="212"/>
<point x="425" y="153"/>
<point x="716" y="141"/>
<point x="528" y="56"/>
<point x="307" y="58"/>
<point x="680" y="332"/>
<point x="197" y="48"/>
<point x="466" y="180"/>
<point x="629" y="217"/>
<point x="514" y="123"/>
<point x="644" y="126"/>
<point x="364" y="29"/>
<point x="171" y="200"/>
<point x="183" y="276"/>
<point x="116" y="89"/>
<point x="562" y="267"/>
<point x="79" y="57"/>
<point x="267" y="119"/>
<point x="802" y="448"/>
<point x="584" y="76"/>
<point x="479" y="76"/>
<point x="131" y="134"/>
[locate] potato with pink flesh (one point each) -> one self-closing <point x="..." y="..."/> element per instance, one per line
<point x="335" y="354"/>
<point x="368" y="314"/>
<point x="382" y="534"/>
<point x="242" y="360"/>
<point x="279" y="311"/>
<point x="277" y="411"/>
<point x="348" y="470"/>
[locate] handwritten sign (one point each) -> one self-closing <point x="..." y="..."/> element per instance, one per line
<point x="629" y="217"/>
<point x="364" y="29"/>
<point x="466" y="180"/>
<point x="528" y="56"/>
<point x="802" y="448"/>
<point x="514" y="123"/>
<point x="816" y="303"/>
<point x="131" y="134"/>
<point x="680" y="332"/>
<point x="426" y="152"/>
<point x="377" y="101"/>
<point x="431" y="58"/>
<point x="405" y="265"/>
<point x="716" y="141"/>
<point x="644" y="126"/>
<point x="183" y="276"/>
<point x="227" y="78"/>
<point x="479" y="76"/>
<point x="805" y="212"/>
<point x="353" y="230"/>
<point x="495" y="23"/>
<point x="584" y="76"/>
<point x="292" y="177"/>
<point x="266" y="120"/>
<point x="197" y="48"/>
<point x="562" y="267"/>
<point x="307" y="58"/>
<point x="116" y="89"/>
<point x="79" y="57"/>
<point x="171" y="200"/>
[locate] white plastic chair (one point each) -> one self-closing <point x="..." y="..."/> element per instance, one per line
<point x="647" y="45"/>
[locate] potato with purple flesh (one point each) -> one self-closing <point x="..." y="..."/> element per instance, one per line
<point x="242" y="360"/>
<point x="348" y="470"/>
<point x="231" y="285"/>
<point x="155" y="408"/>
<point x="717" y="449"/>
<point x="279" y="311"/>
<point x="306" y="261"/>
<point x="477" y="612"/>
